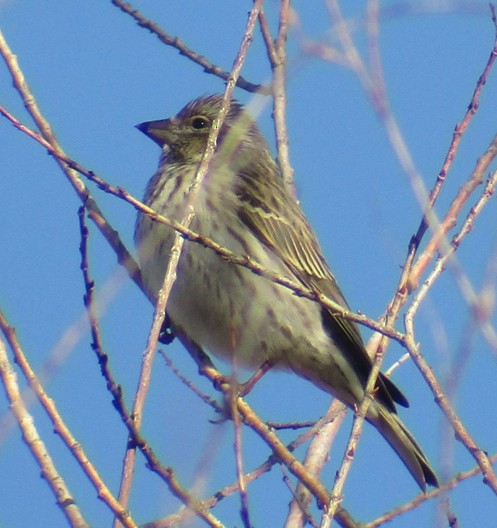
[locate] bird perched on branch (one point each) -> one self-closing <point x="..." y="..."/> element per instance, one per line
<point x="243" y="205"/>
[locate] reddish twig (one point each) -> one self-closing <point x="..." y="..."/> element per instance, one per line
<point x="459" y="131"/>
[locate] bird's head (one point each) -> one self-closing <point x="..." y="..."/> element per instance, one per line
<point x="185" y="135"/>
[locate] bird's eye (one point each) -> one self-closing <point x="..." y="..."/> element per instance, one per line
<point x="200" y="122"/>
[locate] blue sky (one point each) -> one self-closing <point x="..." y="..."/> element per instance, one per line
<point x="96" y="74"/>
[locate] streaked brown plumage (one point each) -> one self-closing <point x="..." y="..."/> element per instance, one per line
<point x="244" y="206"/>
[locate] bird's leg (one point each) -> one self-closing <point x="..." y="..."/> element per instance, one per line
<point x="246" y="387"/>
<point x="229" y="388"/>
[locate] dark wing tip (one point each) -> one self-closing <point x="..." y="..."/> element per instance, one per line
<point x="396" y="394"/>
<point x="142" y="127"/>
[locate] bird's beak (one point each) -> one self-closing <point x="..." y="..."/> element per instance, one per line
<point x="158" y="131"/>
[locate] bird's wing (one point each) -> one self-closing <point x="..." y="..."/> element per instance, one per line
<point x="278" y="222"/>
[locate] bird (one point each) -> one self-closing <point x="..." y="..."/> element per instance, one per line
<point x="244" y="204"/>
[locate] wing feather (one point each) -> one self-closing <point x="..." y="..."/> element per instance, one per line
<point x="281" y="226"/>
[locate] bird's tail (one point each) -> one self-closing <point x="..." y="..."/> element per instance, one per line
<point x="404" y="444"/>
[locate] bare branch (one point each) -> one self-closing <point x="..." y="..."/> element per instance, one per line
<point x="184" y="50"/>
<point x="35" y="444"/>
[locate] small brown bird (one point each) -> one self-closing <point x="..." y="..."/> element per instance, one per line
<point x="244" y="205"/>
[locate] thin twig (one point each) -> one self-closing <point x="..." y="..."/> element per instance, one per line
<point x="459" y="131"/>
<point x="350" y="450"/>
<point x="166" y="473"/>
<point x="249" y="477"/>
<point x="476" y="452"/>
<point x="206" y="399"/>
<point x="447" y="257"/>
<point x="62" y="430"/>
<point x="488" y="330"/>
<point x="423" y="497"/>
<point x="279" y="93"/>
<point x="94" y="212"/>
<point x="439" y="240"/>
<point x="35" y="444"/>
<point x="184" y="50"/>
<point x="317" y="454"/>
<point x="250" y="418"/>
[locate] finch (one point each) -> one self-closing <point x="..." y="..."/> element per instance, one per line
<point x="244" y="205"/>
